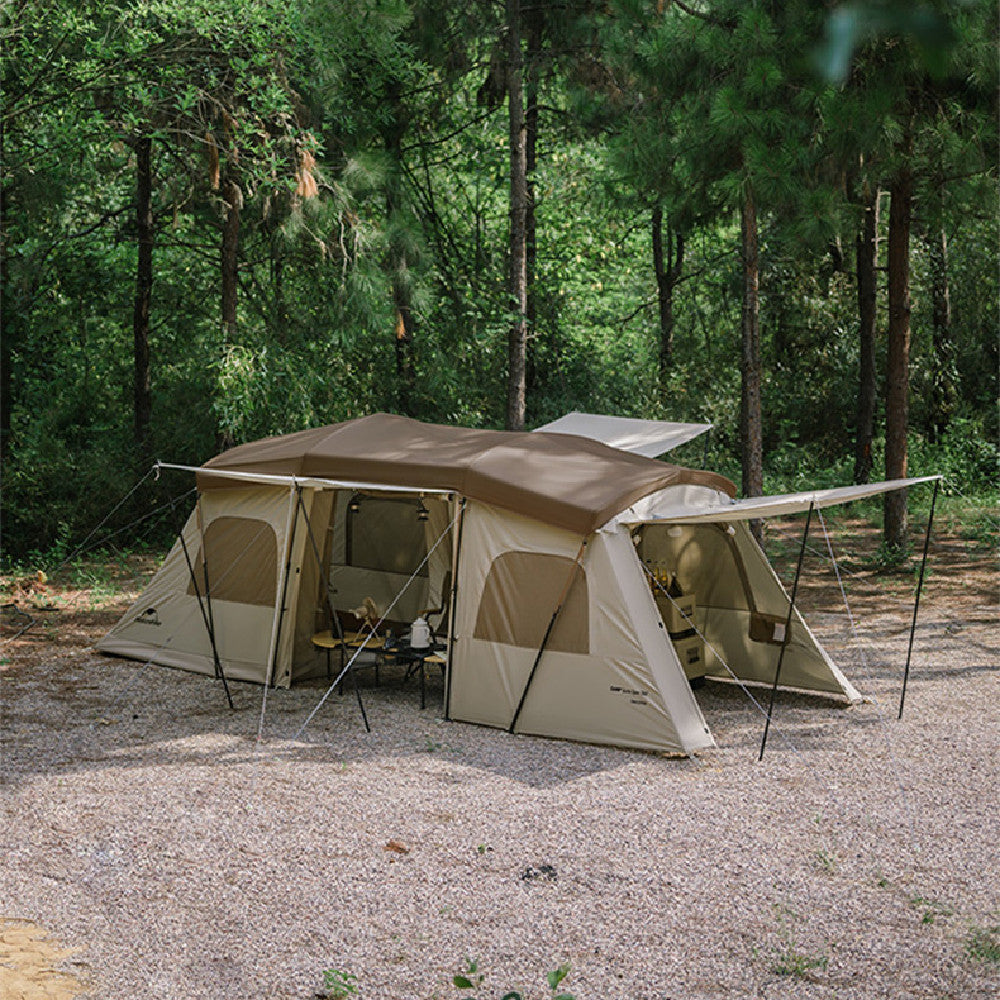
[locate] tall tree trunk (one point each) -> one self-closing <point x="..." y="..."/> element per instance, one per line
<point x="229" y="268"/>
<point x="532" y="95"/>
<point x="396" y="262"/>
<point x="943" y="392"/>
<point x="866" y="258"/>
<point x="751" y="434"/>
<point x="897" y="375"/>
<point x="233" y="198"/>
<point x="142" y="387"/>
<point x="668" y="269"/>
<point x="517" y="295"/>
<point x="7" y="313"/>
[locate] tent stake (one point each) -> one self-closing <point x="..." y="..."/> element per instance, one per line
<point x="284" y="587"/>
<point x="334" y="620"/>
<point x="916" y="599"/>
<point x="788" y="630"/>
<point x="548" y="632"/>
<point x="451" y="609"/>
<point x="206" y="618"/>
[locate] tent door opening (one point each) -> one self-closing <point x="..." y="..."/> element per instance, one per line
<point x="373" y="546"/>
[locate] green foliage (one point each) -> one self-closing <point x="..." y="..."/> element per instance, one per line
<point x="788" y="959"/>
<point x="339" y="985"/>
<point x="473" y="979"/>
<point x="410" y="162"/>
<point x="930" y="909"/>
<point x="983" y="944"/>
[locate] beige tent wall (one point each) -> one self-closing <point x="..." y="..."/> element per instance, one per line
<point x="440" y="515"/>
<point x="165" y="624"/>
<point x="598" y="687"/>
<point x="741" y="606"/>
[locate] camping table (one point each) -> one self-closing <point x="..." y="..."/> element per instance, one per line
<point x="418" y="657"/>
<point x="351" y="640"/>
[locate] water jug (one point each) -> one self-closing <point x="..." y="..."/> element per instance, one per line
<point x="420" y="634"/>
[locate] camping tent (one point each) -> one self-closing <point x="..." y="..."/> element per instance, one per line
<point x="549" y="551"/>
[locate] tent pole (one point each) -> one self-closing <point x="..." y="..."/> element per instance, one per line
<point x="219" y="672"/>
<point x="548" y="632"/>
<point x="788" y="631"/>
<point x="916" y="599"/>
<point x="704" y="456"/>
<point x="451" y="608"/>
<point x="276" y="638"/>
<point x="334" y="620"/>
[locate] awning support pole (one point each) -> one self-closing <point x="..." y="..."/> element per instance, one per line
<point x="548" y="632"/>
<point x="206" y="618"/>
<point x="916" y="599"/>
<point x="452" y="607"/>
<point x="334" y="620"/>
<point x="273" y="680"/>
<point x="788" y="632"/>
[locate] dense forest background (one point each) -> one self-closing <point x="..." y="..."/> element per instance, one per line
<point x="222" y="220"/>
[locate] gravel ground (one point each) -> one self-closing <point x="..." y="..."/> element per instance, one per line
<point x="145" y="824"/>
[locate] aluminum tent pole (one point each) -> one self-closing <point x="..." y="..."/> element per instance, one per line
<point x="916" y="599"/>
<point x="456" y="554"/>
<point x="548" y="632"/>
<point x="292" y="522"/>
<point x="205" y="617"/>
<point x="788" y="632"/>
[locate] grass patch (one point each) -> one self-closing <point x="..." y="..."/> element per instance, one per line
<point x="983" y="945"/>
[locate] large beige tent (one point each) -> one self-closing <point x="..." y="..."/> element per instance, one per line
<point x="546" y="553"/>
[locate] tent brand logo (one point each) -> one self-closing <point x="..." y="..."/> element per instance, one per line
<point x="636" y="697"/>
<point x="148" y="617"/>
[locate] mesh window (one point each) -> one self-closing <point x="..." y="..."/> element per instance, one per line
<point x="387" y="535"/>
<point x="242" y="562"/>
<point x="520" y="595"/>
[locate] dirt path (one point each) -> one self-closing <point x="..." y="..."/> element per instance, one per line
<point x="30" y="964"/>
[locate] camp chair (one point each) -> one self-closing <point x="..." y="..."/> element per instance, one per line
<point x="442" y="611"/>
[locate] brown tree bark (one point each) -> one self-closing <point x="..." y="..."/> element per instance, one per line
<point x="6" y="338"/>
<point x="751" y="434"/>
<point x="897" y="375"/>
<point x="397" y="264"/>
<point x="943" y="391"/>
<point x="668" y="269"/>
<point x="866" y="259"/>
<point x="532" y="94"/>
<point x="142" y="384"/>
<point x="517" y="295"/>
<point x="232" y="196"/>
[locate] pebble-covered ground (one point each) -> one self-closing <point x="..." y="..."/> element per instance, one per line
<point x="145" y="824"/>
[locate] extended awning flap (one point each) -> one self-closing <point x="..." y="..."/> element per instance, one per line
<point x="773" y="506"/>
<point x="651" y="438"/>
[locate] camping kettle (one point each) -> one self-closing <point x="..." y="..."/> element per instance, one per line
<point x="420" y="633"/>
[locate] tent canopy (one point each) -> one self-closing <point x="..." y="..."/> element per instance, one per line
<point x="651" y="438"/>
<point x="561" y="480"/>
<point x="771" y="506"/>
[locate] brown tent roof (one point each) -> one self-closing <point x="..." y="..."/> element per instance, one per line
<point x="560" y="479"/>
